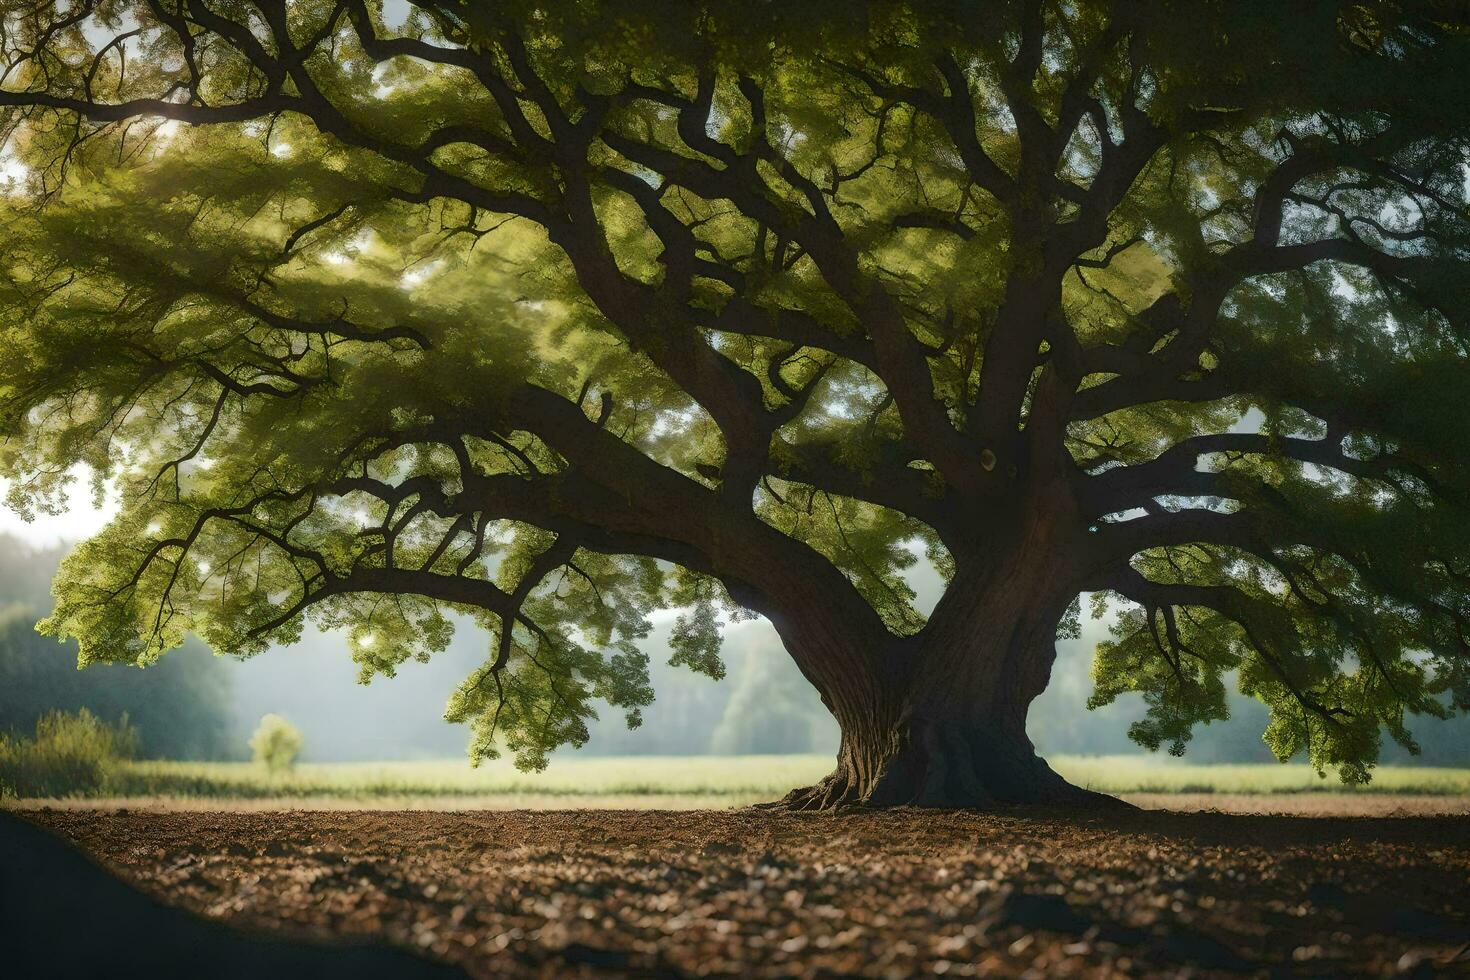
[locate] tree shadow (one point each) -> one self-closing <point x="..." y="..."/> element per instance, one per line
<point x="61" y="915"/>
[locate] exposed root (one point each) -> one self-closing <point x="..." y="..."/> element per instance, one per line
<point x="834" y="792"/>
<point x="1037" y="784"/>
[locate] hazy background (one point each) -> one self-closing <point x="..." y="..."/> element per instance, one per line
<point x="196" y="705"/>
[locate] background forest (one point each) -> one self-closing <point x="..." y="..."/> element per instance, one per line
<point x="193" y="705"/>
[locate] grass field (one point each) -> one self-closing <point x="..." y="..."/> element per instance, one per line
<point x="707" y="780"/>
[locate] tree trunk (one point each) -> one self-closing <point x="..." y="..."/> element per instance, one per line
<point x="932" y="748"/>
<point x="940" y="721"/>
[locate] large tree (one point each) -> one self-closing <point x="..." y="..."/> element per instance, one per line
<point x="556" y="313"/>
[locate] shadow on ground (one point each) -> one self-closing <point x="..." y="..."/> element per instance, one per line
<point x="62" y="916"/>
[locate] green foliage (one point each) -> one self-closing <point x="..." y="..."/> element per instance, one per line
<point x="69" y="755"/>
<point x="275" y="744"/>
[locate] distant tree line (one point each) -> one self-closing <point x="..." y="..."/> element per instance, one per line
<point x="180" y="707"/>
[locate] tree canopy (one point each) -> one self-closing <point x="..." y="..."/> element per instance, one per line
<point x="557" y="313"/>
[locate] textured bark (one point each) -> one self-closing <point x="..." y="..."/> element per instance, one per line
<point x="941" y="721"/>
<point x="935" y="746"/>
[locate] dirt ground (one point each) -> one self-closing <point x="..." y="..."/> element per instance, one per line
<point x="756" y="893"/>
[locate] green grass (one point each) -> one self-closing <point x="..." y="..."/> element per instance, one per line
<point x="1150" y="774"/>
<point x="754" y="776"/>
<point x="733" y="779"/>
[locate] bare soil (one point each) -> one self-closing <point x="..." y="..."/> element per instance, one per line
<point x="758" y="893"/>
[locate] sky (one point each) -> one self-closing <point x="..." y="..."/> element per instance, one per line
<point x="81" y="520"/>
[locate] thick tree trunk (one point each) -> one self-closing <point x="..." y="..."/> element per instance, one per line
<point x="934" y="746"/>
<point x="941" y="721"/>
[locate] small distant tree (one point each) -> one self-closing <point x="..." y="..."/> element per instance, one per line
<point x="276" y="743"/>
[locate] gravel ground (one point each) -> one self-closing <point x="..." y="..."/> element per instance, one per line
<point x="885" y="894"/>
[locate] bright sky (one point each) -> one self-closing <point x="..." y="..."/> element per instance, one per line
<point x="79" y="521"/>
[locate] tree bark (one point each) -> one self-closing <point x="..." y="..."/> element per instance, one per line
<point x="939" y="744"/>
<point x="940" y="720"/>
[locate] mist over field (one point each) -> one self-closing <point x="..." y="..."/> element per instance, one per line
<point x="762" y="706"/>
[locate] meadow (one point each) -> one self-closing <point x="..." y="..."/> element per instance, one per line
<point x="698" y="781"/>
